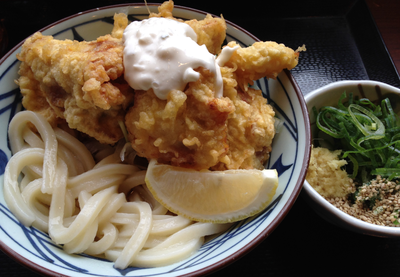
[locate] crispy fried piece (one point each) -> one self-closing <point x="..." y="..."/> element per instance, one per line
<point x="250" y="127"/>
<point x="188" y="129"/>
<point x="196" y="130"/>
<point x="262" y="59"/>
<point x="211" y="31"/>
<point x="81" y="81"/>
<point x="120" y="23"/>
<point x="165" y="10"/>
<point x="33" y="97"/>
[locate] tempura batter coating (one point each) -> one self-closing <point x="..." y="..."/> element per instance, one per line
<point x="194" y="129"/>
<point x="34" y="98"/>
<point x="262" y="59"/>
<point x="188" y="129"/>
<point x="211" y="31"/>
<point x="251" y="126"/>
<point x="81" y="82"/>
<point x="238" y="136"/>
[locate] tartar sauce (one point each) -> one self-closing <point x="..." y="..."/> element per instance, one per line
<point x="226" y="54"/>
<point x="162" y="54"/>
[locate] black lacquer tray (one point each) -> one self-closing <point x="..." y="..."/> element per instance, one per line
<point x="342" y="40"/>
<point x="342" y="43"/>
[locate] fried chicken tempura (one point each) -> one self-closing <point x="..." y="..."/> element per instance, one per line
<point x="193" y="128"/>
<point x="188" y="129"/>
<point x="78" y="82"/>
<point x="82" y="83"/>
<point x="250" y="127"/>
<point x="262" y="59"/>
<point x="211" y="31"/>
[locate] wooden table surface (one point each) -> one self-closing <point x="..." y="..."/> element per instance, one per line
<point x="303" y="244"/>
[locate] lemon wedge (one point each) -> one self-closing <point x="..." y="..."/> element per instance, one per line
<point x="211" y="196"/>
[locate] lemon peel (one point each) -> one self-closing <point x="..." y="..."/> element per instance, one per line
<point x="212" y="196"/>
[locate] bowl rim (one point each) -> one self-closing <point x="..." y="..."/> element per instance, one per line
<point x="346" y="83"/>
<point x="264" y="233"/>
<point x="355" y="223"/>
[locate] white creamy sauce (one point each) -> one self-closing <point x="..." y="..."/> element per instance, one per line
<point x="162" y="54"/>
<point x="226" y="54"/>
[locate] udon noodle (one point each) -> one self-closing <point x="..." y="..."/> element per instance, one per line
<point x="53" y="183"/>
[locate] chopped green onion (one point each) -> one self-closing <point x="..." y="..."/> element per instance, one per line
<point x="123" y="129"/>
<point x="368" y="134"/>
<point x="366" y="130"/>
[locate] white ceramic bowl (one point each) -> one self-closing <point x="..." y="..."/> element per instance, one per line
<point x="329" y="96"/>
<point x="290" y="156"/>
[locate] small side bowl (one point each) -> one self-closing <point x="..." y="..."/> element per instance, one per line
<point x="329" y="95"/>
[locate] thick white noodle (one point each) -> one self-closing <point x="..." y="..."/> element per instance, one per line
<point x="12" y="193"/>
<point x="169" y="226"/>
<point x="79" y="150"/>
<point x="134" y="180"/>
<point x="178" y="246"/>
<point x="31" y="195"/>
<point x="114" y="204"/>
<point x="94" y="184"/>
<point x="139" y="237"/>
<point x="153" y="241"/>
<point x="109" y="235"/>
<point x="86" y="217"/>
<point x="170" y="255"/>
<point x="83" y="240"/>
<point x="33" y="140"/>
<point x="103" y="209"/>
<point x="124" y="218"/>
<point x="15" y="131"/>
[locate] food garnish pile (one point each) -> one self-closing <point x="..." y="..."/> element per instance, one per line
<point x="83" y="84"/>
<point x="358" y="167"/>
<point x="174" y="136"/>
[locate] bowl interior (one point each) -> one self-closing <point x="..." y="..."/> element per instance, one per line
<point x="330" y="95"/>
<point x="290" y="155"/>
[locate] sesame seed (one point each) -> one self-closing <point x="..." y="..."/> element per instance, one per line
<point x="385" y="210"/>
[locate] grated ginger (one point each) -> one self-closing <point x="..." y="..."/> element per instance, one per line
<point x="325" y="174"/>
